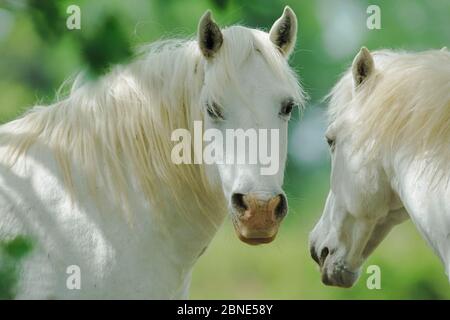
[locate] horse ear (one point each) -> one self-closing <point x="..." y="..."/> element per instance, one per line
<point x="363" y="66"/>
<point x="210" y="37"/>
<point x="284" y="31"/>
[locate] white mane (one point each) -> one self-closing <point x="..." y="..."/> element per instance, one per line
<point x="405" y="104"/>
<point x="122" y="123"/>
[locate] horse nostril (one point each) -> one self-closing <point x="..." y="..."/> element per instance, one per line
<point x="281" y="209"/>
<point x="323" y="255"/>
<point x="238" y="203"/>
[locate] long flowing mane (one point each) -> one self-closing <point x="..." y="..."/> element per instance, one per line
<point x="122" y="123"/>
<point x="404" y="105"/>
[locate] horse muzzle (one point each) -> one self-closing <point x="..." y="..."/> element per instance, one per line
<point x="257" y="216"/>
<point x="334" y="270"/>
<point x="339" y="276"/>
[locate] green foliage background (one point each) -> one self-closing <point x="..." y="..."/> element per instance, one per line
<point x="37" y="53"/>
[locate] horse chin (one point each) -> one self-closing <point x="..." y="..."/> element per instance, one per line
<point x="337" y="274"/>
<point x="255" y="239"/>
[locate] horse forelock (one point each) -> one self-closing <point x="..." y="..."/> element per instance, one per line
<point x="239" y="45"/>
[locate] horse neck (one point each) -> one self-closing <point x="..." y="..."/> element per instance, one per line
<point x="425" y="196"/>
<point x="190" y="207"/>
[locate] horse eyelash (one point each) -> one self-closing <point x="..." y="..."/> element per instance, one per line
<point x="214" y="111"/>
<point x="287" y="107"/>
<point x="331" y="142"/>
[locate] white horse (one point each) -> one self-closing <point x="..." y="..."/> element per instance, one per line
<point x="91" y="205"/>
<point x="389" y="136"/>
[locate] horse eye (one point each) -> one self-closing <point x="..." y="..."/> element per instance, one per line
<point x="214" y="111"/>
<point x="330" y="142"/>
<point x="286" y="107"/>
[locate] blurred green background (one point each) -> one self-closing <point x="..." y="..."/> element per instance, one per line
<point x="37" y="53"/>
